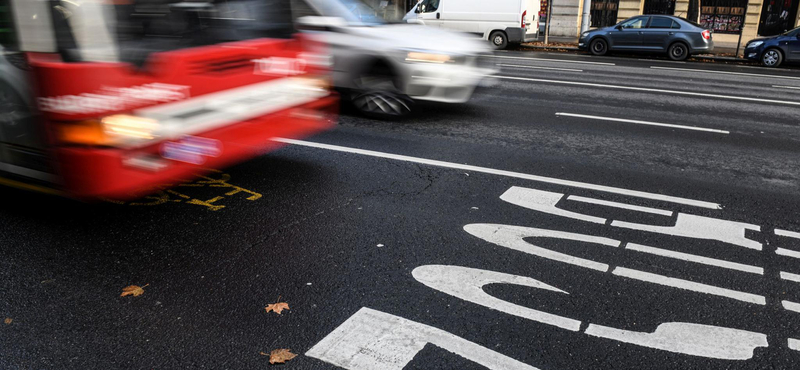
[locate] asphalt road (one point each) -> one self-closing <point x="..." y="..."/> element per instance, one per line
<point x="554" y="222"/>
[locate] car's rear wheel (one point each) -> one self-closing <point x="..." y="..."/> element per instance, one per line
<point x="499" y="40"/>
<point x="598" y="47"/>
<point x="772" y="58"/>
<point x="678" y="51"/>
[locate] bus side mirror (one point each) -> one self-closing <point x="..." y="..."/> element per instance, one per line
<point x="315" y="23"/>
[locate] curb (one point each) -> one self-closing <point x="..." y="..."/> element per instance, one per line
<point x="575" y="49"/>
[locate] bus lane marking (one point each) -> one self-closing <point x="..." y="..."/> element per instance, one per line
<point x="787" y="233"/>
<point x="793" y="344"/>
<point x="512" y="174"/>
<point x="791" y="306"/>
<point x="787" y="252"/>
<point x="695" y="258"/>
<point x="689" y="285"/>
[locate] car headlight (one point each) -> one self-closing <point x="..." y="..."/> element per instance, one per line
<point x="754" y="44"/>
<point x="423" y="57"/>
<point x="586" y="33"/>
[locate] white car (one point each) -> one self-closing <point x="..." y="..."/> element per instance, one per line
<point x="382" y="67"/>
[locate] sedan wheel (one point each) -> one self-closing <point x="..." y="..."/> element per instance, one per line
<point x="599" y="47"/>
<point x="772" y="58"/>
<point x="678" y="51"/>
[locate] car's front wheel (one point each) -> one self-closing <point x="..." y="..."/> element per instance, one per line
<point x="376" y="95"/>
<point x="598" y="47"/>
<point x="678" y="51"/>
<point x="772" y="58"/>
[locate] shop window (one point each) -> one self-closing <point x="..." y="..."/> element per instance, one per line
<point x="722" y="16"/>
<point x="777" y="16"/>
<point x="666" y="7"/>
<point x="604" y="13"/>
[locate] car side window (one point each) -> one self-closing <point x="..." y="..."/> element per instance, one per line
<point x="676" y="25"/>
<point x="428" y="6"/>
<point x="635" y="23"/>
<point x="659" y="22"/>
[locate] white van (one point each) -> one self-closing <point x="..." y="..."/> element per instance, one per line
<point x="500" y="21"/>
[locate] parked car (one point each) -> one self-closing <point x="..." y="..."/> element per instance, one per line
<point x="502" y="22"/>
<point x="677" y="37"/>
<point x="772" y="51"/>
<point x="382" y="68"/>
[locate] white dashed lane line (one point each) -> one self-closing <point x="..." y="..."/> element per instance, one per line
<point x="639" y="122"/>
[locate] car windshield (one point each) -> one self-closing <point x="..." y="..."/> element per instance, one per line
<point x="355" y="12"/>
<point x="792" y="32"/>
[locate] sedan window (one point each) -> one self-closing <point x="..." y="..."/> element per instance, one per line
<point x="675" y="25"/>
<point x="659" y="22"/>
<point x="635" y="23"/>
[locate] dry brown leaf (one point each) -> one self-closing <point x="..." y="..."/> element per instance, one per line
<point x="279" y="356"/>
<point x="263" y="354"/>
<point x="8" y="320"/>
<point x="277" y="307"/>
<point x="133" y="290"/>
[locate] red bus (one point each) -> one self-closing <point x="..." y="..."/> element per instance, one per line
<point x="112" y="98"/>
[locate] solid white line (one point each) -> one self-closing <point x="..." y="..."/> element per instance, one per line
<point x="726" y="72"/>
<point x="620" y="205"/>
<point x="535" y="67"/>
<point x="519" y="175"/>
<point x="695" y="258"/>
<point x="554" y="60"/>
<point x="791" y="306"/>
<point x="790" y="276"/>
<point x="787" y="233"/>
<point x="689" y="285"/>
<point x="676" y="92"/>
<point x="794" y="344"/>
<point x="787" y="252"/>
<point x="787" y="87"/>
<point x="662" y="61"/>
<point x="644" y="123"/>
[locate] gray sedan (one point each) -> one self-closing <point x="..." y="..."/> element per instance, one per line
<point x="676" y="36"/>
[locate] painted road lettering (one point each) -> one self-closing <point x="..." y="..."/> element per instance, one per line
<point x="373" y="340"/>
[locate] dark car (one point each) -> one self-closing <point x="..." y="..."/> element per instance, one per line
<point x="772" y="51"/>
<point x="676" y="36"/>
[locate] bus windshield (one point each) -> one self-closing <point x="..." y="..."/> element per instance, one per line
<point x="129" y="31"/>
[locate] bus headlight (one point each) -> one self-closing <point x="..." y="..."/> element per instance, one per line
<point x="126" y="127"/>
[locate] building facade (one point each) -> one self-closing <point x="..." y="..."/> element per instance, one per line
<point x="727" y="18"/>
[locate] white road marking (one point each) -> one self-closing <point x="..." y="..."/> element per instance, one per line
<point x="787" y="87"/>
<point x="467" y="284"/>
<point x="791" y="306"/>
<point x="695" y="258"/>
<point x="554" y="60"/>
<point x="374" y="340"/>
<point x="544" y="201"/>
<point x="727" y="73"/>
<point x="787" y="233"/>
<point x="787" y="252"/>
<point x="662" y="61"/>
<point x="638" y="122"/>
<point x="675" y="92"/>
<point x="790" y="277"/>
<point x="518" y="175"/>
<point x="688" y="338"/>
<point x="512" y="237"/>
<point x="794" y="344"/>
<point x="689" y="285"/>
<point x="620" y="205"/>
<point x="535" y="67"/>
<point x="700" y="227"/>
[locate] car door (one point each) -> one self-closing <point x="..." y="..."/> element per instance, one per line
<point x="429" y="13"/>
<point x="655" y="36"/>
<point x="793" y="45"/>
<point x="628" y="34"/>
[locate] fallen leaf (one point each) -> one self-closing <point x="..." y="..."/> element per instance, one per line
<point x="8" y="320"/>
<point x="277" y="307"/>
<point x="263" y="354"/>
<point x="133" y="290"/>
<point x="279" y="356"/>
